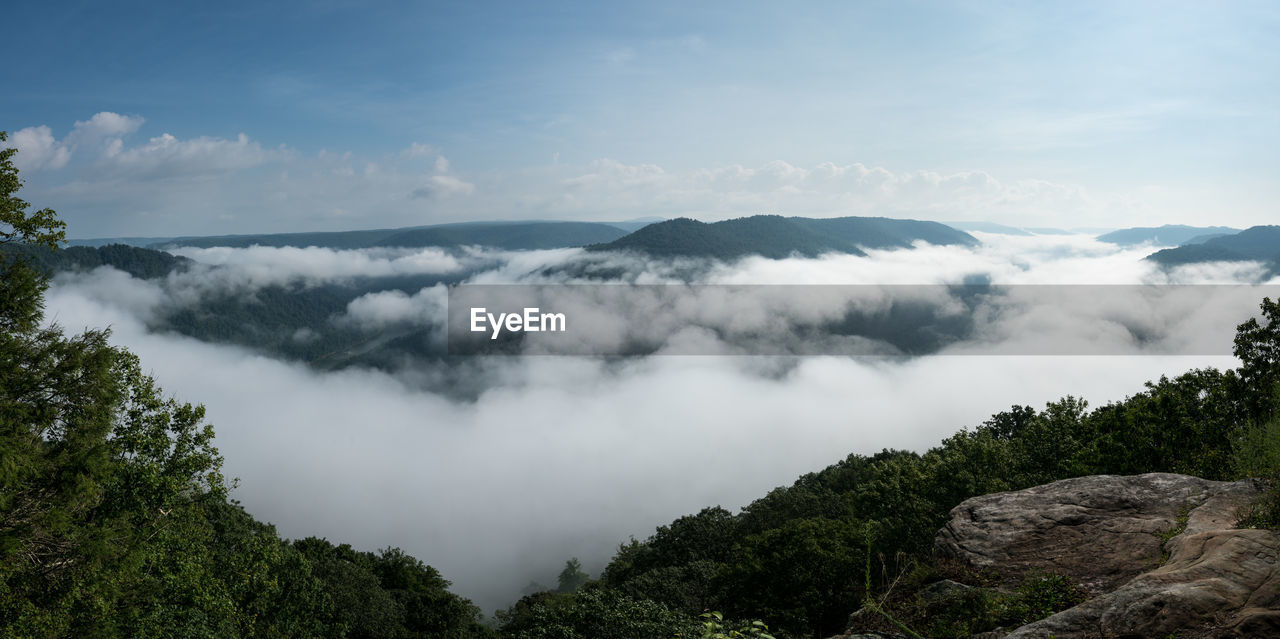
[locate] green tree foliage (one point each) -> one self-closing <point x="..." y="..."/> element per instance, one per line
<point x="713" y="627"/>
<point x="592" y="613"/>
<point x="678" y="564"/>
<point x="17" y="225"/>
<point x="964" y="612"/>
<point x="787" y="556"/>
<point x="388" y="595"/>
<point x="114" y="516"/>
<point x="1257" y="345"/>
<point x="802" y="576"/>
<point x="99" y="474"/>
<point x="139" y="262"/>
<point x="1257" y="455"/>
<point x="572" y="576"/>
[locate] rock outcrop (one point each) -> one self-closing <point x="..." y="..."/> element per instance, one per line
<point x="1158" y="553"/>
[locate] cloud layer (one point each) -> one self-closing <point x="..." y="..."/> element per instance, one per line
<point x="559" y="457"/>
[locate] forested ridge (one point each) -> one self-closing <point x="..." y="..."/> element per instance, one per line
<point x="503" y="235"/>
<point x="777" y="237"/>
<point x="115" y="518"/>
<point x="138" y="262"/>
<point x="1259" y="243"/>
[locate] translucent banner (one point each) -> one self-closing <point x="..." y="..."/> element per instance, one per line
<point x="631" y="320"/>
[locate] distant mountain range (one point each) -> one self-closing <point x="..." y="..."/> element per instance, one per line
<point x="1259" y="243"/>
<point x="1169" y="234"/>
<point x="776" y="237"/>
<point x="502" y="235"/>
<point x="770" y="236"/>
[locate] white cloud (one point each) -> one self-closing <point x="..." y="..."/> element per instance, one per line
<point x="37" y="149"/>
<point x="385" y="308"/>
<point x="825" y="190"/>
<point x="102" y="134"/>
<point x="169" y="157"/>
<point x="258" y="266"/>
<point x="417" y="150"/>
<point x="443" y="186"/>
<point x="606" y="173"/>
<point x="105" y="127"/>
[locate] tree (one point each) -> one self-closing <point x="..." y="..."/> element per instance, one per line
<point x="572" y="577"/>
<point x="804" y="577"/>
<point x="41" y="227"/>
<point x="103" y="482"/>
<point x="1257" y="346"/>
<point x="114" y="516"/>
<point x="592" y="613"/>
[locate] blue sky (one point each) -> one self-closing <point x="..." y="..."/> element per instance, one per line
<point x="170" y="118"/>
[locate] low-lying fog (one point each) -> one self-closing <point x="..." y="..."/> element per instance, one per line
<point x="563" y="456"/>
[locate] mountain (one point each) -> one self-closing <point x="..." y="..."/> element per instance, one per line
<point x="1260" y="243"/>
<point x="333" y="239"/>
<point x="632" y="226"/>
<point x="139" y="262"/>
<point x="776" y="237"/>
<point x="141" y="242"/>
<point x="1201" y="239"/>
<point x="886" y="233"/>
<point x="508" y="235"/>
<point x="1175" y="234"/>
<point x="767" y="235"/>
<point x="504" y="235"/>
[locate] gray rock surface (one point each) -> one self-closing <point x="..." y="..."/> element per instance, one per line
<point x="1223" y="578"/>
<point x="1101" y="530"/>
<point x="1158" y="552"/>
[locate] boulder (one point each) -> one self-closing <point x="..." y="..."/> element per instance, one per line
<point x="1223" y="580"/>
<point x="1158" y="552"/>
<point x="1101" y="530"/>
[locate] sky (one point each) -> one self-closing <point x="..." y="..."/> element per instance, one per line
<point x="165" y="119"/>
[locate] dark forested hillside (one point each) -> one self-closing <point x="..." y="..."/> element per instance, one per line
<point x="777" y="237"/>
<point x="769" y="236"/>
<point x="334" y="239"/>
<point x="1260" y="243"/>
<point x="504" y="235"/>
<point x="507" y="235"/>
<point x="886" y="233"/>
<point x="139" y="262"/>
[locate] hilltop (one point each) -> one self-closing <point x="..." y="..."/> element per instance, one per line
<point x="1259" y="243"/>
<point x="139" y="262"/>
<point x="776" y="237"/>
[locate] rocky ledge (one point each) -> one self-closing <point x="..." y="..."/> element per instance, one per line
<point x="1159" y="555"/>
